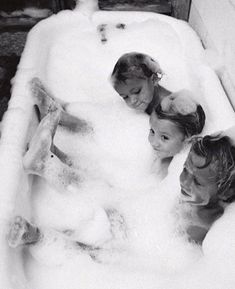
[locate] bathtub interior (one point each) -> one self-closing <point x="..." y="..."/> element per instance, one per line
<point x="66" y="53"/>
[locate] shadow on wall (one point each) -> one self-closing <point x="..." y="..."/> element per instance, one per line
<point x="8" y="66"/>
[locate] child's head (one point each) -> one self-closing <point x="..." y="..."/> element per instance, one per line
<point x="177" y="118"/>
<point x="134" y="77"/>
<point x="209" y="171"/>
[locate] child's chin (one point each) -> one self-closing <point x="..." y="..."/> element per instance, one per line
<point x="142" y="107"/>
<point x="139" y="108"/>
<point x="162" y="155"/>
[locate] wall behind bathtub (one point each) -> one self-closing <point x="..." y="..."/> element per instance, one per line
<point x="214" y="21"/>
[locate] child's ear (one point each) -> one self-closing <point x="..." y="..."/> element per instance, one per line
<point x="154" y="79"/>
<point x="185" y="143"/>
<point x="228" y="195"/>
<point x="188" y="140"/>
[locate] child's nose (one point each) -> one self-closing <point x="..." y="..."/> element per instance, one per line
<point x="186" y="180"/>
<point x="156" y="141"/>
<point x="133" y="99"/>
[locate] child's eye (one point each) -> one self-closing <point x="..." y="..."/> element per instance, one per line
<point x="164" y="137"/>
<point x="136" y="91"/>
<point x="184" y="170"/>
<point x="124" y="96"/>
<point x="197" y="182"/>
<point x="185" y="174"/>
<point x="152" y="131"/>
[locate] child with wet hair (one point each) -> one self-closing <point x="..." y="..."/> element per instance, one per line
<point x="136" y="78"/>
<point x="172" y="125"/>
<point x="207" y="185"/>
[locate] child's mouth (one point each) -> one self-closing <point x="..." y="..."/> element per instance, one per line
<point x="140" y="105"/>
<point x="158" y="152"/>
<point x="156" y="149"/>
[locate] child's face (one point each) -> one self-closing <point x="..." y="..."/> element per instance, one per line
<point x="198" y="185"/>
<point x="137" y="93"/>
<point x="165" y="137"/>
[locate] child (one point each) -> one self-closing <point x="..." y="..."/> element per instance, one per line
<point x="207" y="184"/>
<point x="172" y="123"/>
<point x="135" y="77"/>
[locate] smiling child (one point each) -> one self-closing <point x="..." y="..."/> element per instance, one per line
<point x="136" y="78"/>
<point x="207" y="184"/>
<point x="172" y="124"/>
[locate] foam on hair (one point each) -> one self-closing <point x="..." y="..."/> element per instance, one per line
<point x="181" y="109"/>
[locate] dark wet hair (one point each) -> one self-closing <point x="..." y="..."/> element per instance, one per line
<point x="218" y="149"/>
<point x="189" y="124"/>
<point x="134" y="65"/>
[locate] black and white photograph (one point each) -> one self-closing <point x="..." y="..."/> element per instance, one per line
<point x="117" y="144"/>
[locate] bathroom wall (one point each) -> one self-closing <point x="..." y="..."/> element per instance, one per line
<point x="214" y="21"/>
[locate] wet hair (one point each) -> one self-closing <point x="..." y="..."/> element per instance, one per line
<point x="189" y="124"/>
<point x="218" y="150"/>
<point x="135" y="65"/>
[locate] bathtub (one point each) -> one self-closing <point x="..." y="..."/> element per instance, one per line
<point x="67" y="53"/>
